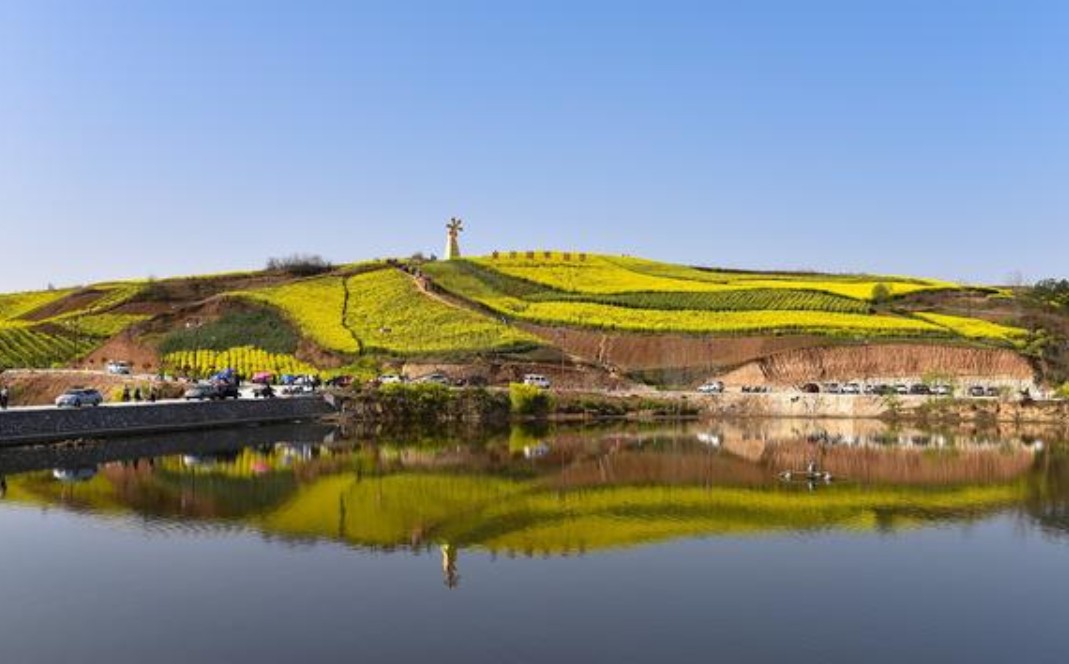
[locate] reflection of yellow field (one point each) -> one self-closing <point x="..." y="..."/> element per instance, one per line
<point x="504" y="515"/>
<point x="626" y="498"/>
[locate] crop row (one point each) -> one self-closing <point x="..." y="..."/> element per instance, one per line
<point x="246" y="360"/>
<point x="316" y="306"/>
<point x="388" y="312"/>
<point x="726" y="322"/>
<point x="973" y="328"/>
<point x="600" y="275"/>
<point x="22" y="347"/>
<point x="14" y="305"/>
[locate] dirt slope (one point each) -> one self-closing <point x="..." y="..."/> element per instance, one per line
<point x="842" y="363"/>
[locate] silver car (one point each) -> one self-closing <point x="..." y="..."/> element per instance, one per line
<point x="76" y="397"/>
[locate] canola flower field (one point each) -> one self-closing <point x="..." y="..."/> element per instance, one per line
<point x="246" y="360"/>
<point x="387" y="312"/>
<point x="600" y="275"/>
<point x="28" y="339"/>
<point x="470" y="305"/>
<point x="606" y="292"/>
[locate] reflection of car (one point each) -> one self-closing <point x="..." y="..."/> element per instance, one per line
<point x="76" y="397"/>
<point x="714" y="387"/>
<point x="83" y="474"/>
<point x="437" y="377"/>
<point x="535" y="451"/>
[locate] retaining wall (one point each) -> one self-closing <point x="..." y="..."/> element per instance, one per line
<point x="20" y="426"/>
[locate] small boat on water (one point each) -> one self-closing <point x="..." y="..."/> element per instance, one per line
<point x="812" y="473"/>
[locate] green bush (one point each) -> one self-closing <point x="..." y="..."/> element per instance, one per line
<point x="262" y="328"/>
<point x="529" y="400"/>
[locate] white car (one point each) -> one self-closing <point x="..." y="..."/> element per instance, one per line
<point x="76" y="397"/>
<point x="118" y="367"/>
<point x="390" y="379"/>
<point x="714" y="387"/>
<point x="538" y="380"/>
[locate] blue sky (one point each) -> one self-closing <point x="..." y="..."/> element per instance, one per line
<point x="901" y="136"/>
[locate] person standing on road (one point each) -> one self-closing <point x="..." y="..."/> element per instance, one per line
<point x="4" y="396"/>
<point x="125" y="393"/>
<point x="137" y="394"/>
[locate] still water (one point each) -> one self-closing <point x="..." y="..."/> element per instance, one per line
<point x="632" y="544"/>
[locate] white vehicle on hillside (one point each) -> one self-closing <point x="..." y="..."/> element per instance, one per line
<point x="119" y="367"/>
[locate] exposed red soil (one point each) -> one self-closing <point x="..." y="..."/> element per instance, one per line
<point x="636" y="352"/>
<point x="41" y="387"/>
<point x="76" y="301"/>
<point x="841" y="363"/>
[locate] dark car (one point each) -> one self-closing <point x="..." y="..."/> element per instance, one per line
<point x="920" y="389"/>
<point x="201" y="392"/>
<point x="260" y="391"/>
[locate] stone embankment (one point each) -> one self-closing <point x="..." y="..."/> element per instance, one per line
<point x="30" y="425"/>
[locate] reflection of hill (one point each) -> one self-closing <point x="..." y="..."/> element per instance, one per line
<point x="587" y="492"/>
<point x="528" y="516"/>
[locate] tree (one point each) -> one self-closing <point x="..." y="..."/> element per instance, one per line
<point x="881" y="293"/>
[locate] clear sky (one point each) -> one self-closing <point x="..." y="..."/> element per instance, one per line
<point x="161" y="138"/>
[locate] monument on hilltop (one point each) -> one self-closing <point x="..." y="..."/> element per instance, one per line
<point x="452" y="246"/>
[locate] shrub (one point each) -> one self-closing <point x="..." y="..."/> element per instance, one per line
<point x="529" y="400"/>
<point x="299" y="264"/>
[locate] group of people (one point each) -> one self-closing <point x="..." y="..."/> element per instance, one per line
<point x="150" y="394"/>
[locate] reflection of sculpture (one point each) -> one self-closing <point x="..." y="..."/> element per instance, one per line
<point x="449" y="566"/>
<point x="452" y="246"/>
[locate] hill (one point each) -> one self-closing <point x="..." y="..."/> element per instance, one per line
<point x="576" y="311"/>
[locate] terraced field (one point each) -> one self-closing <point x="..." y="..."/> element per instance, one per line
<point x="246" y="360"/>
<point x="645" y="296"/>
<point x="613" y="275"/>
<point x="369" y="310"/>
<point x="21" y="346"/>
<point x="387" y="312"/>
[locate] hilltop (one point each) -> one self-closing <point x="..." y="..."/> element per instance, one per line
<point x="587" y="315"/>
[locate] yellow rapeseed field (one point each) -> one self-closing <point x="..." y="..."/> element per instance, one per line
<point x="388" y="312"/>
<point x="316" y="306"/>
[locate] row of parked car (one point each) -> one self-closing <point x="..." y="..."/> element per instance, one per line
<point x="856" y="387"/>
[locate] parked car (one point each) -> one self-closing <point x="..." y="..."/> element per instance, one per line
<point x="832" y="388"/>
<point x="712" y="387"/>
<point x="852" y="388"/>
<point x="942" y="390"/>
<point x="390" y="379"/>
<point x="200" y="392"/>
<point x="920" y="389"/>
<point x="977" y="391"/>
<point x="263" y="391"/>
<point x="538" y="380"/>
<point x="118" y="367"/>
<point x="76" y="397"/>
<point x="208" y="391"/>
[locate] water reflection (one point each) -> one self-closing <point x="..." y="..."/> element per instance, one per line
<point x="554" y="492"/>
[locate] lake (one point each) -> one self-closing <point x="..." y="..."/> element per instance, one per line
<point x="615" y="544"/>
